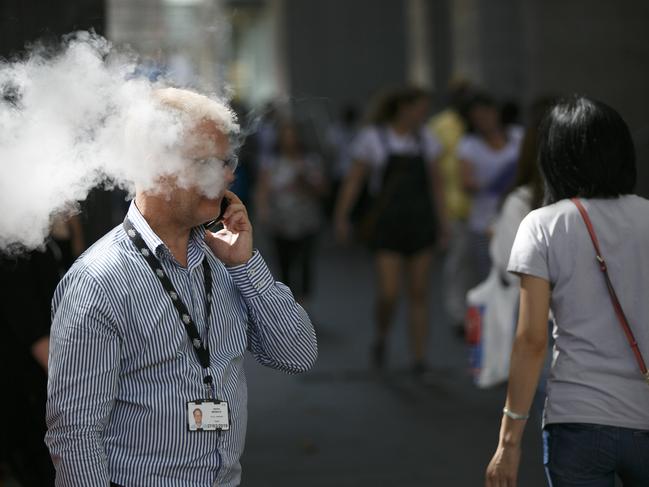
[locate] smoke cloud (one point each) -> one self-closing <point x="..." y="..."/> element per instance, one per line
<point x="79" y="118"/>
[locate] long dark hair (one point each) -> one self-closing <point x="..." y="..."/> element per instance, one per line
<point x="585" y="150"/>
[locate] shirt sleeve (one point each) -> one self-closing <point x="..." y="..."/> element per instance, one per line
<point x="280" y="333"/>
<point x="529" y="253"/>
<point x="83" y="381"/>
<point x="366" y="147"/>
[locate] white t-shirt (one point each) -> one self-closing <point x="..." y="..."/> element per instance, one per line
<point x="594" y="376"/>
<point x="493" y="171"/>
<point x="294" y="207"/>
<point x="374" y="144"/>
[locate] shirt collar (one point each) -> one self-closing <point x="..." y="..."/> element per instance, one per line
<point x="155" y="243"/>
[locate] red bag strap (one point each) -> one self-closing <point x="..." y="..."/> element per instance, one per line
<point x="616" y="303"/>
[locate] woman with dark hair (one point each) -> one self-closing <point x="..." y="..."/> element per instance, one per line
<point x="289" y="197"/>
<point x="596" y="420"/>
<point x="526" y="193"/>
<point x="488" y="156"/>
<point x="490" y="329"/>
<point x="406" y="217"/>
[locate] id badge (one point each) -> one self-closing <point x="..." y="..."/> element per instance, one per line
<point x="208" y="415"/>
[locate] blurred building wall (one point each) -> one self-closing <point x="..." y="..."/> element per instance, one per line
<point x="595" y="47"/>
<point x="25" y="21"/>
<point x="520" y="49"/>
<point x="345" y="50"/>
<point x="258" y="58"/>
<point x="189" y="39"/>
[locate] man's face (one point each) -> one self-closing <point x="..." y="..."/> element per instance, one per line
<point x="198" y="417"/>
<point x="204" y="149"/>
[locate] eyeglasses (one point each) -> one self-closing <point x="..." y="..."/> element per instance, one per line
<point x="230" y="162"/>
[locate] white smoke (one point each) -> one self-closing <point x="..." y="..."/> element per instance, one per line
<point x="79" y="119"/>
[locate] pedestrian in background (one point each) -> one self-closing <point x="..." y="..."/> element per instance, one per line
<point x="596" y="421"/>
<point x="525" y="195"/>
<point x="290" y="195"/>
<point x="406" y="217"/>
<point x="488" y="156"/>
<point x="493" y="304"/>
<point x="449" y="127"/>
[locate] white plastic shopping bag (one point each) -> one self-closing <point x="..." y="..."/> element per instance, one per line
<point x="492" y="311"/>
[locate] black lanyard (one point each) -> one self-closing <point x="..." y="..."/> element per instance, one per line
<point x="200" y="347"/>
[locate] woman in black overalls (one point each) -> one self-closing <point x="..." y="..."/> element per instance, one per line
<point x="404" y="219"/>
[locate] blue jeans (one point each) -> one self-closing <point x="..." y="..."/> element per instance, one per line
<point x="590" y="455"/>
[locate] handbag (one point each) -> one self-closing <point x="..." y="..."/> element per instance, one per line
<point x="616" y="303"/>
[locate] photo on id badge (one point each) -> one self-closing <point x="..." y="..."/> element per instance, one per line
<point x="208" y="416"/>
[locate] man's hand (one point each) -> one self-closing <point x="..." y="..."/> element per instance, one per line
<point x="503" y="468"/>
<point x="233" y="244"/>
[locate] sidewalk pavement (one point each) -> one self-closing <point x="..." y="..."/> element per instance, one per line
<point x="346" y="425"/>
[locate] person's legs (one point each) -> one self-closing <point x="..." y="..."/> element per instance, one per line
<point x="579" y="455"/>
<point x="480" y="258"/>
<point x="307" y="246"/>
<point x="418" y="294"/>
<point x="285" y="253"/>
<point x="388" y="271"/>
<point x="457" y="269"/>
<point x="634" y="457"/>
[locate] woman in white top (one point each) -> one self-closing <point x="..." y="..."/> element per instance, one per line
<point x="488" y="157"/>
<point x="289" y="198"/>
<point x="596" y="420"/>
<point x="406" y="217"/>
<point x="526" y="195"/>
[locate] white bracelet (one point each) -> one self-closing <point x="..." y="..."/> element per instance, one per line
<point x="513" y="415"/>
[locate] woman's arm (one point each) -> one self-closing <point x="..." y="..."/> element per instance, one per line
<point x="349" y="193"/>
<point x="527" y="360"/>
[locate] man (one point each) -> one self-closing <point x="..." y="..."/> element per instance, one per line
<point x="154" y="319"/>
<point x="198" y="418"/>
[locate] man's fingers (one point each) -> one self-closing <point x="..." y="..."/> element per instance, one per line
<point x="234" y="208"/>
<point x="238" y="222"/>
<point x="235" y="213"/>
<point x="232" y="197"/>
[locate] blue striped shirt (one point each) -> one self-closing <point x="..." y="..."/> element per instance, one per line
<point x="122" y="367"/>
